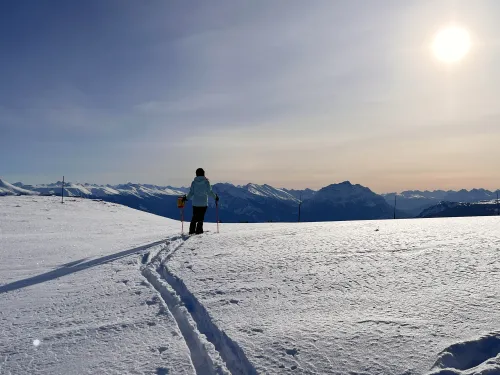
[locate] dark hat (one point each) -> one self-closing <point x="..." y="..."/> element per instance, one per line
<point x="200" y="172"/>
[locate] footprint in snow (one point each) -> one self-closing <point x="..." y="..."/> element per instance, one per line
<point x="293" y="352"/>
<point x="153" y="301"/>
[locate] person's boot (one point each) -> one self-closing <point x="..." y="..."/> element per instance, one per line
<point x="192" y="227"/>
<point x="199" y="227"/>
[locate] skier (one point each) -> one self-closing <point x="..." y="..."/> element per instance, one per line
<point x="200" y="190"/>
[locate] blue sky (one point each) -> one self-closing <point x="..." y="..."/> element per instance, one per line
<point x="286" y="92"/>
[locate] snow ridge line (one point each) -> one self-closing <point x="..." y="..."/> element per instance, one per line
<point x="232" y="354"/>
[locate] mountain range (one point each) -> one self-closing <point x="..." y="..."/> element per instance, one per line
<point x="264" y="203"/>
<point x="414" y="202"/>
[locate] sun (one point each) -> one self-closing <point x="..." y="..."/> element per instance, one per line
<point x="451" y="44"/>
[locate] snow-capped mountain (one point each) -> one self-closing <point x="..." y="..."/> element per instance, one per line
<point x="254" y="203"/>
<point x="9" y="189"/>
<point x="474" y="195"/>
<point x="461" y="209"/>
<point x="270" y="192"/>
<point x="414" y="202"/>
<point x="242" y="203"/>
<point x="264" y="203"/>
<point x="101" y="191"/>
<point x="346" y="201"/>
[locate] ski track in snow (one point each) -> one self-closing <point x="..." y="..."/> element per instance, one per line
<point x="212" y="351"/>
<point x="95" y="340"/>
<point x="72" y="296"/>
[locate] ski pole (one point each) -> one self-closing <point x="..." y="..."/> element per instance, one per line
<point x="217" y="214"/>
<point x="180" y="205"/>
<point x="182" y="220"/>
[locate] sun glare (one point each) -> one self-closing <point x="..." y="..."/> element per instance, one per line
<point x="451" y="44"/>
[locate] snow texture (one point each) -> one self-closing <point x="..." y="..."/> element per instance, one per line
<point x="94" y="287"/>
<point x="72" y="296"/>
<point x="347" y="298"/>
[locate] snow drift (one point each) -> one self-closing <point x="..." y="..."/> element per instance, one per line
<point x="475" y="357"/>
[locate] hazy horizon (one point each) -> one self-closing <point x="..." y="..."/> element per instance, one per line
<point x="287" y="93"/>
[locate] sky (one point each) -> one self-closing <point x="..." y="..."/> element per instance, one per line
<point x="290" y="93"/>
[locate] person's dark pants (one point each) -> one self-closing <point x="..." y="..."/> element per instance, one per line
<point x="196" y="225"/>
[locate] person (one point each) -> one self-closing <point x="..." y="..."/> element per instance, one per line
<point x="199" y="192"/>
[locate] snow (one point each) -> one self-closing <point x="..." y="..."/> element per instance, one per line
<point x="9" y="189"/>
<point x="99" y="191"/>
<point x="270" y="192"/>
<point x="492" y="201"/>
<point x="146" y="190"/>
<point x="94" y="287"/>
<point x="339" y="298"/>
<point x="475" y="357"/>
<point x="72" y="294"/>
<point x="250" y="191"/>
<point x="70" y="189"/>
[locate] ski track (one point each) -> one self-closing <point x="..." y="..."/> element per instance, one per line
<point x="212" y="351"/>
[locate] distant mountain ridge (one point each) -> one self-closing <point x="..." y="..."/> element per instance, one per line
<point x="414" y="202"/>
<point x="9" y="189"/>
<point x="242" y="203"/>
<point x="346" y="201"/>
<point x="462" y="209"/>
<point x="263" y="203"/>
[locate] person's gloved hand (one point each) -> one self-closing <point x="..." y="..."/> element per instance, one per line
<point x="216" y="198"/>
<point x="184" y="198"/>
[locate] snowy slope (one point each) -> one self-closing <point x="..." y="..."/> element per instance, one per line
<point x="94" y="287"/>
<point x="72" y="296"/>
<point x="271" y="192"/>
<point x="345" y="298"/>
<point x="252" y="191"/>
<point x="8" y="189"/>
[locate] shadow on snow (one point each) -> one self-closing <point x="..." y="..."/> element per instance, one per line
<point x="73" y="267"/>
